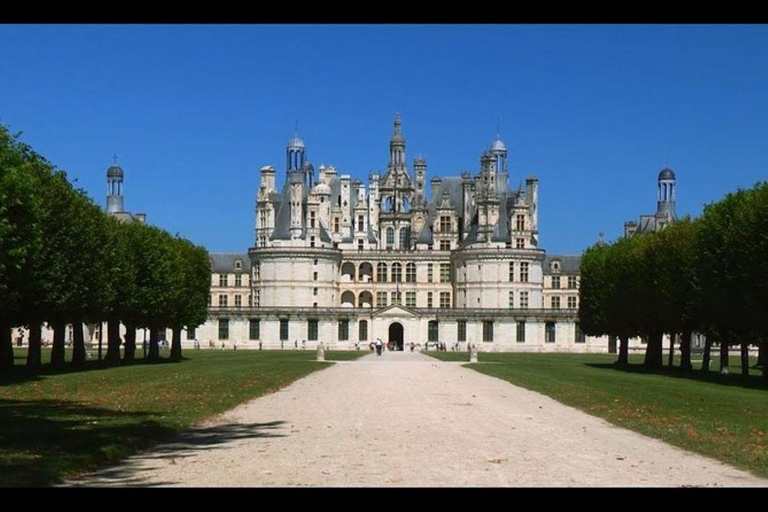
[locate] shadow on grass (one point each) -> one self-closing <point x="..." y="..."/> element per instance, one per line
<point x="753" y="381"/>
<point x="128" y="473"/>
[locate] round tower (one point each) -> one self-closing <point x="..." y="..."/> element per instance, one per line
<point x="115" y="201"/>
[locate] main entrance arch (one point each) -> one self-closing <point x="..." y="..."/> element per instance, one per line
<point x="396" y="335"/>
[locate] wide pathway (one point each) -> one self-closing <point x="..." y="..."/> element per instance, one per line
<point x="405" y="419"/>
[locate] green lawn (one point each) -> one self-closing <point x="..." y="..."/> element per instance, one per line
<point x="724" y="417"/>
<point x="61" y="424"/>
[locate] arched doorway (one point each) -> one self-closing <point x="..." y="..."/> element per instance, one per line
<point x="396" y="335"/>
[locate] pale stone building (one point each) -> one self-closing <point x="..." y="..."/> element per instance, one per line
<point x="341" y="262"/>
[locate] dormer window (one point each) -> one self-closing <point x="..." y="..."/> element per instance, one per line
<point x="238" y="265"/>
<point x="555" y="266"/>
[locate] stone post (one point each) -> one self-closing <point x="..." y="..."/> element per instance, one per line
<point x="472" y="353"/>
<point x="320" y="352"/>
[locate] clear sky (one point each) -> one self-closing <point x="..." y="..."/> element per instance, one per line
<point x="193" y="111"/>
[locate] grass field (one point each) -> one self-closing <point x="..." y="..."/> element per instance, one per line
<point x="55" y="425"/>
<point x="723" y="417"/>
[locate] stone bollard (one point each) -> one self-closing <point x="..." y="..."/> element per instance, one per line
<point x="320" y="352"/>
<point x="472" y="354"/>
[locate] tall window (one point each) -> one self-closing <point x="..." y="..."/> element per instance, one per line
<point x="520" y="222"/>
<point x="511" y="299"/>
<point x="362" y="327"/>
<point x="312" y="330"/>
<point x="520" y="243"/>
<point x="549" y="332"/>
<point x="397" y="271"/>
<point x="191" y="331"/>
<point x="511" y="271"/>
<point x="445" y="224"/>
<point x="381" y="272"/>
<point x="284" y="329"/>
<point x="254" y="329"/>
<point x="335" y="224"/>
<point x="224" y="328"/>
<point x="250" y="300"/>
<point x="445" y="300"/>
<point x="429" y="299"/>
<point x="445" y="245"/>
<point x="524" y="272"/>
<point x="390" y="237"/>
<point x="223" y="301"/>
<point x="556" y="282"/>
<point x="429" y="272"/>
<point x="580" y="338"/>
<point x="343" y="330"/>
<point x="256" y="295"/>
<point x="314" y="276"/>
<point x="238" y="280"/>
<point x="520" y="332"/>
<point x="445" y="272"/>
<point x="572" y="282"/>
<point x="222" y="279"/>
<point x="312" y="220"/>
<point x="238" y="301"/>
<point x="403" y="239"/>
<point x="381" y="299"/>
<point x="555" y="302"/>
<point x="396" y="298"/>
<point x="360" y="244"/>
<point x="410" y="299"/>
<point x="462" y="325"/>
<point x="571" y="302"/>
<point x="360" y="223"/>
<point x="487" y="330"/>
<point x="410" y="273"/>
<point x="433" y="331"/>
<point x="523" y="300"/>
<point x="256" y="271"/>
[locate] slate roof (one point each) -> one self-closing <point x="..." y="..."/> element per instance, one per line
<point x="224" y="262"/>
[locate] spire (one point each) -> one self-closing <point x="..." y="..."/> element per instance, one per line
<point x="397" y="123"/>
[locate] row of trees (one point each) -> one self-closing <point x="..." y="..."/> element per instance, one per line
<point x="705" y="275"/>
<point x="64" y="261"/>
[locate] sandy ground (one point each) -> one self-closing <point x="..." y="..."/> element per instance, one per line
<point x="404" y="419"/>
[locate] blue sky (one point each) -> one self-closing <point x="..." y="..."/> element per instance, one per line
<point x="193" y="111"/>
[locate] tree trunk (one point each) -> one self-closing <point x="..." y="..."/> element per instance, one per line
<point x="78" y="344"/>
<point x="744" y="359"/>
<point x="724" y="356"/>
<point x="6" y="346"/>
<point x="130" y="343"/>
<point x="176" y="344"/>
<point x="611" y="344"/>
<point x="685" y="350"/>
<point x="671" y="358"/>
<point x="154" y="348"/>
<point x="57" y="352"/>
<point x="113" y="341"/>
<point x="654" y="359"/>
<point x="762" y="353"/>
<point x="623" y="351"/>
<point x="34" y="352"/>
<point x="707" y="352"/>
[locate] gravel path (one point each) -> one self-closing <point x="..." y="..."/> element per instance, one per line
<point x="405" y="419"/>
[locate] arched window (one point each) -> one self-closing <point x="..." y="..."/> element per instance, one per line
<point x="410" y="273"/>
<point x="397" y="271"/>
<point x="381" y="273"/>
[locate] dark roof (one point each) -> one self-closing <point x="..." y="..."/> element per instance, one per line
<point x="224" y="262"/>
<point x="569" y="263"/>
<point x="666" y="174"/>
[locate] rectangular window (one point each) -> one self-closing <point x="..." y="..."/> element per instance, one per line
<point x="335" y="224"/>
<point x="572" y="282"/>
<point x="429" y="299"/>
<point x="410" y="299"/>
<point x="238" y="280"/>
<point x="250" y="300"/>
<point x="433" y="331"/>
<point x="254" y="329"/>
<point x="410" y="273"/>
<point x="314" y="292"/>
<point x="223" y="301"/>
<point x="488" y="330"/>
<point x="556" y="282"/>
<point x="257" y="271"/>
<point x="462" y="324"/>
<point x="343" y="330"/>
<point x="222" y="280"/>
<point x="445" y="272"/>
<point x="362" y="328"/>
<point x="223" y="328"/>
<point x="312" y="220"/>
<point x="520" y="222"/>
<point x="549" y="332"/>
<point x="520" y="332"/>
<point x="191" y="333"/>
<point x="381" y="299"/>
<point x="580" y="337"/>
<point x="314" y="276"/>
<point x="555" y="302"/>
<point x="238" y="301"/>
<point x="445" y="300"/>
<point x="360" y="223"/>
<point x="524" y="272"/>
<point x="256" y="295"/>
<point x="445" y="245"/>
<point x="311" y="241"/>
<point x="429" y="272"/>
<point x="284" y="329"/>
<point x="445" y="224"/>
<point x="312" y="330"/>
<point x="571" y="302"/>
<point x="511" y="271"/>
<point x="523" y="300"/>
<point x="360" y="244"/>
<point x="396" y="297"/>
<point x="520" y="243"/>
